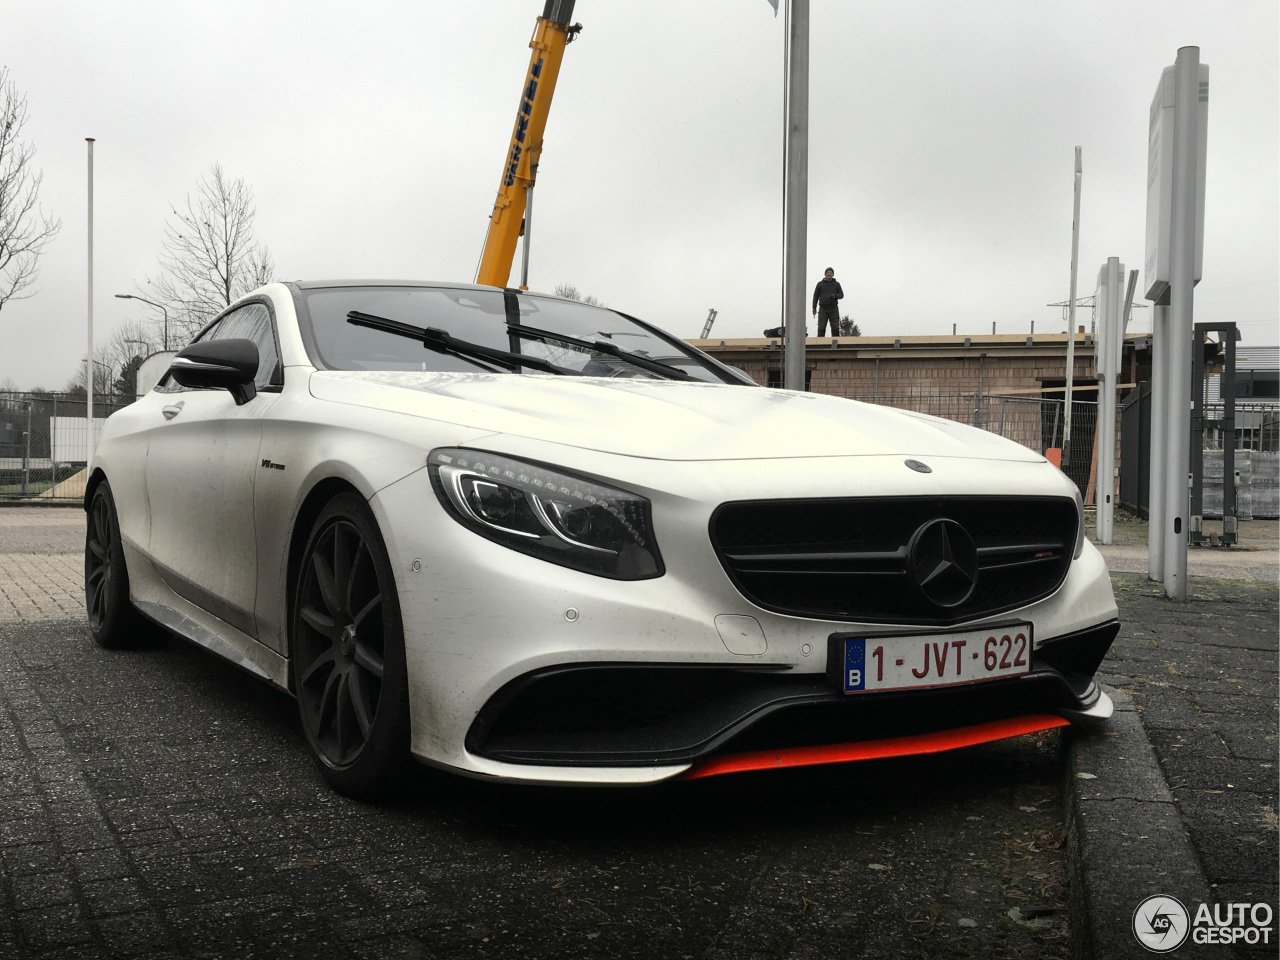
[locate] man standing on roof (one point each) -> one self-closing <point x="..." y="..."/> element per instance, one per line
<point x="826" y="296"/>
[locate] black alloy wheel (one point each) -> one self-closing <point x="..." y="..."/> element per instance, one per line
<point x="113" y="621"/>
<point x="348" y="652"/>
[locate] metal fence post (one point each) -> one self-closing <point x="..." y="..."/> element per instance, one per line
<point x="26" y="454"/>
<point x="53" y="460"/>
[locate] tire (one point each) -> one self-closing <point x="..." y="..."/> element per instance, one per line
<point x="348" y="653"/>
<point x="113" y="621"/>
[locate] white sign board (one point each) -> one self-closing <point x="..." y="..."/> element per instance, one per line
<point x="67" y="437"/>
<point x="1160" y="184"/>
<point x="1109" y="306"/>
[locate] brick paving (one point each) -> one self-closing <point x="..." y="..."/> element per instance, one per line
<point x="1203" y="676"/>
<point x="41" y="563"/>
<point x="160" y="804"/>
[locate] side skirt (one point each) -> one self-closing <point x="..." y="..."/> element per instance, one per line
<point x="158" y="603"/>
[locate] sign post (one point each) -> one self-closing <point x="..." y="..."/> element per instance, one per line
<point x="1107" y="364"/>
<point x="796" y="195"/>
<point x="1175" y="255"/>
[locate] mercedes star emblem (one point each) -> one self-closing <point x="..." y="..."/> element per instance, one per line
<point x="944" y="562"/>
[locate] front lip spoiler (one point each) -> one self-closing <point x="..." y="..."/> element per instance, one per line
<point x="608" y="715"/>
<point x="875" y="749"/>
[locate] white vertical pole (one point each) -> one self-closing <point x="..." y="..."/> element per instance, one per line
<point x="1182" y="255"/>
<point x="1107" y="364"/>
<point x="88" y="409"/>
<point x="1071" y="317"/>
<point x="1156" y="513"/>
<point x="796" y="194"/>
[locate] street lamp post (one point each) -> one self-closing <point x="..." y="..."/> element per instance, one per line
<point x="134" y="296"/>
<point x="110" y="383"/>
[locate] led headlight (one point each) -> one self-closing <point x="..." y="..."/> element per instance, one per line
<point x="1079" y="548"/>
<point x="547" y="513"/>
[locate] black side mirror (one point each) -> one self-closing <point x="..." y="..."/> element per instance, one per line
<point x="221" y="365"/>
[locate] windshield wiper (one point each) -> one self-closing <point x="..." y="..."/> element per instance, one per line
<point x="603" y="346"/>
<point x="441" y="342"/>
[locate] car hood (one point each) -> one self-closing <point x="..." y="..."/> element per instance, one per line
<point x="663" y="419"/>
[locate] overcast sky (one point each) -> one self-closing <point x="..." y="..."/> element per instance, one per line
<point x="373" y="136"/>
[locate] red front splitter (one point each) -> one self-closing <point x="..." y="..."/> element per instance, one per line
<point x="875" y="749"/>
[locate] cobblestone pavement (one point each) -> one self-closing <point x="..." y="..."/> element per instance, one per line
<point x="1203" y="676"/>
<point x="41" y="563"/>
<point x="159" y="803"/>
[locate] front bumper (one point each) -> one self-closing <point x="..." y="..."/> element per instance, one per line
<point x="627" y="715"/>
<point x="509" y="656"/>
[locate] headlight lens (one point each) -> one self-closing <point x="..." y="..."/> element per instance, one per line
<point x="547" y="513"/>
<point x="1079" y="524"/>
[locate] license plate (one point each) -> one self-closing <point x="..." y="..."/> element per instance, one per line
<point x="940" y="660"/>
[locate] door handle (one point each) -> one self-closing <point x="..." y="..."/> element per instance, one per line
<point x="172" y="410"/>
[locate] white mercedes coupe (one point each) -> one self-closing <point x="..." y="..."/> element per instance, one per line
<point x="523" y="538"/>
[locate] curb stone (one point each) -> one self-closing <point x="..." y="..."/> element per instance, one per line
<point x="1125" y="839"/>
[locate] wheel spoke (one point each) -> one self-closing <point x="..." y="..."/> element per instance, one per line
<point x="328" y="703"/>
<point x="360" y="703"/>
<point x="342" y="565"/>
<point x="369" y="659"/>
<point x="342" y="711"/>
<point x="324" y="580"/>
<point x="367" y="609"/>
<point x="321" y="623"/>
<point x="96" y="594"/>
<point x="325" y="659"/>
<point x="101" y="523"/>
<point x="361" y="553"/>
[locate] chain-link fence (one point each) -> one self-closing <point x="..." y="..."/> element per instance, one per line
<point x="1035" y="422"/>
<point x="44" y="443"/>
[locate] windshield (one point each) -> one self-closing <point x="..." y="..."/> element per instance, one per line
<point x="480" y="317"/>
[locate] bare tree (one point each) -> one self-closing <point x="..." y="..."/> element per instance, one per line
<point x="24" y="228"/>
<point x="104" y="374"/>
<point x="570" y="292"/>
<point x="118" y="358"/>
<point x="210" y="255"/>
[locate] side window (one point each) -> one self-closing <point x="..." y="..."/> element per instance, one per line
<point x="253" y="322"/>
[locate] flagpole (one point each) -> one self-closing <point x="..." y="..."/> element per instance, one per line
<point x="1071" y="320"/>
<point x="88" y="410"/>
<point x="796" y="193"/>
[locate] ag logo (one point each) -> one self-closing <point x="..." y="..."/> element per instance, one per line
<point x="1161" y="924"/>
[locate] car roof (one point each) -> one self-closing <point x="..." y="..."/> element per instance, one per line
<point x="434" y="284"/>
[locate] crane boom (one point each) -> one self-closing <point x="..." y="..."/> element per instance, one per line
<point x="550" y="37"/>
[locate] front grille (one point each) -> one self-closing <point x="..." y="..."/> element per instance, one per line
<point x="852" y="559"/>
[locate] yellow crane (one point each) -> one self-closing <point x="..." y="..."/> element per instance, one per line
<point x="512" y="211"/>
